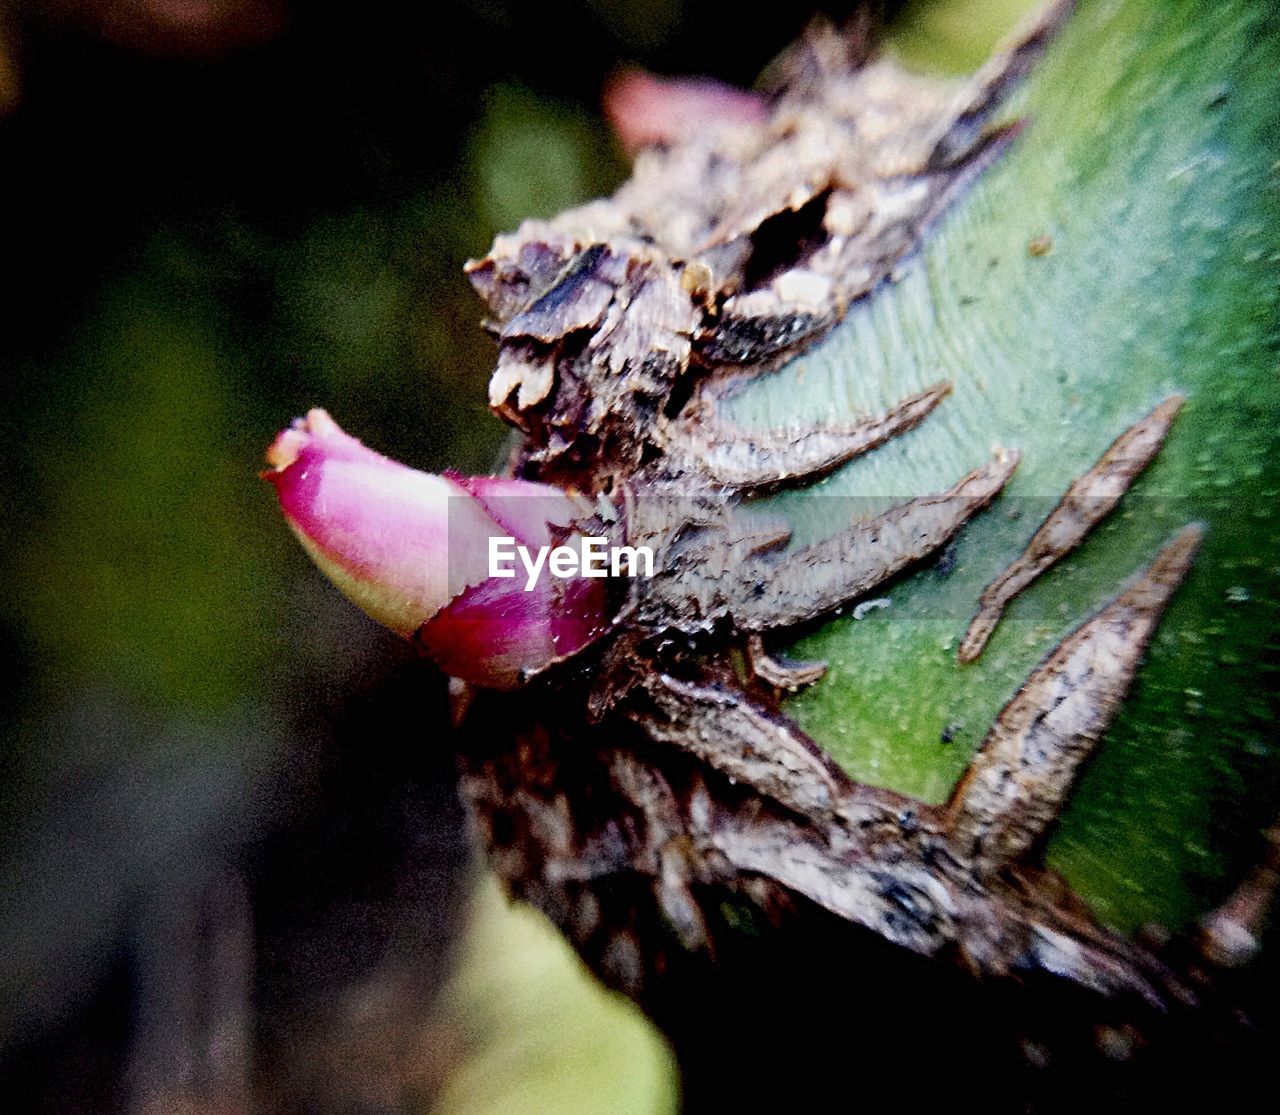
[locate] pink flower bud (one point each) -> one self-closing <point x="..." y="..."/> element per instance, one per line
<point x="644" y="109"/>
<point x="412" y="550"/>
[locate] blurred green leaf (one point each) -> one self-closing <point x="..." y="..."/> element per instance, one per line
<point x="956" y="36"/>
<point x="545" y="1037"/>
<point x="536" y="157"/>
<point x="137" y="576"/>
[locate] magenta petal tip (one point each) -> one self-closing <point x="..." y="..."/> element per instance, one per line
<point x="412" y="549"/>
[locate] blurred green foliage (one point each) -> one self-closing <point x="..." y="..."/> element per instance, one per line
<point x="955" y="37"/>
<point x="535" y="156"/>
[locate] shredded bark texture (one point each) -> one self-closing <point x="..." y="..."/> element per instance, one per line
<point x="731" y="253"/>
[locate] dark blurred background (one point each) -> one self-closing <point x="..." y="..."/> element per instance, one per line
<point x="232" y="854"/>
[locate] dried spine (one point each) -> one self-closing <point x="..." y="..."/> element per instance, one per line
<point x="1016" y="785"/>
<point x="757" y="462"/>
<point x="1088" y="501"/>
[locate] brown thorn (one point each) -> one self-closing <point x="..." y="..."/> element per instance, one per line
<point x="823" y="576"/>
<point x="1017" y="783"/>
<point x="1230" y="936"/>
<point x="1087" y="502"/>
<point x="764" y="461"/>
<point x="743" y="742"/>
<point x="788" y="676"/>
